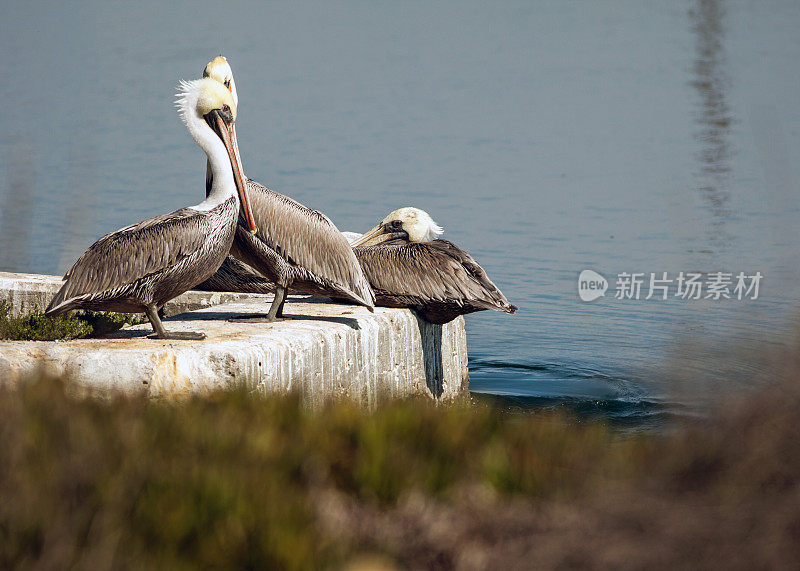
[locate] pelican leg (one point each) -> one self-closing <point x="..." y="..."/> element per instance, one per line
<point x="275" y="310"/>
<point x="279" y="311"/>
<point x="160" y="333"/>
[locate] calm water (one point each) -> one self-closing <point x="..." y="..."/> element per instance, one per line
<point x="546" y="137"/>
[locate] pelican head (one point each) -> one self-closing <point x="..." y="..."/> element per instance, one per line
<point x="407" y="223"/>
<point x="209" y="112"/>
<point x="219" y="69"/>
<point x="203" y="97"/>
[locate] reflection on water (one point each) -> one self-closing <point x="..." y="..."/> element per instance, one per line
<point x="17" y="208"/>
<point x="80" y="188"/>
<point x="714" y="115"/>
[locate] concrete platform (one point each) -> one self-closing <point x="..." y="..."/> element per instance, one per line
<point x="323" y="350"/>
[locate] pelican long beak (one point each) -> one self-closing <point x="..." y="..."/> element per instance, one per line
<point x="375" y="236"/>
<point x="228" y="134"/>
<point x="248" y="212"/>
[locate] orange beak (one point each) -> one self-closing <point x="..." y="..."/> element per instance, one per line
<point x="228" y="133"/>
<point x="374" y="236"/>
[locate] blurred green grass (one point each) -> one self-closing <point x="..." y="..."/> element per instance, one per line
<point x="227" y="480"/>
<point x="238" y="480"/>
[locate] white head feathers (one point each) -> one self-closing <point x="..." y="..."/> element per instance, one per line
<point x="201" y="96"/>
<point x="417" y="223"/>
<point x="219" y="69"/>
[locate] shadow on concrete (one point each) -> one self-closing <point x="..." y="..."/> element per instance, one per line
<point x="225" y="315"/>
<point x="349" y="321"/>
<point x="431" y="336"/>
<point x="127" y="334"/>
<point x="205" y="316"/>
<point x="317" y="299"/>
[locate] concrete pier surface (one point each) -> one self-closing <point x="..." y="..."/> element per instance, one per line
<point x="323" y="350"/>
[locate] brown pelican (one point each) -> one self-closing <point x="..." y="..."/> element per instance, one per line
<point x="408" y="265"/>
<point x="140" y="267"/>
<point x="296" y="247"/>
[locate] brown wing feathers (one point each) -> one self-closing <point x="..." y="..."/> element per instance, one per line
<point x="133" y="253"/>
<point x="293" y="230"/>
<point x="437" y="271"/>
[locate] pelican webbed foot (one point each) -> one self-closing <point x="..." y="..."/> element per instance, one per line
<point x="160" y="333"/>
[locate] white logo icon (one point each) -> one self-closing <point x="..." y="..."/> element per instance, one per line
<point x="591" y="285"/>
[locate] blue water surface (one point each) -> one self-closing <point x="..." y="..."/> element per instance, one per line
<point x="545" y="137"/>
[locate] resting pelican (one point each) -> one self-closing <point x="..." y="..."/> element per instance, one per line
<point x="140" y="267"/>
<point x="295" y="247"/>
<point x="408" y="265"/>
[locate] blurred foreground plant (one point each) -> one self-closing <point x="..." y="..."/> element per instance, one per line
<point x="240" y="480"/>
<point x="230" y="479"/>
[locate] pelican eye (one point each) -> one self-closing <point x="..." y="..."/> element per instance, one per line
<point x="397" y="224"/>
<point x="226" y="109"/>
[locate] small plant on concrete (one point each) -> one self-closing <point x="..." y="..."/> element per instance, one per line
<point x="104" y="323"/>
<point x="36" y="326"/>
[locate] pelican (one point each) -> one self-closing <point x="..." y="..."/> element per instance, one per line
<point x="408" y="265"/>
<point x="295" y="247"/>
<point x="142" y="266"/>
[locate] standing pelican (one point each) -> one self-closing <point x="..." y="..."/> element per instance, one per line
<point x="295" y="246"/>
<point x="140" y="267"/>
<point x="408" y="265"/>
